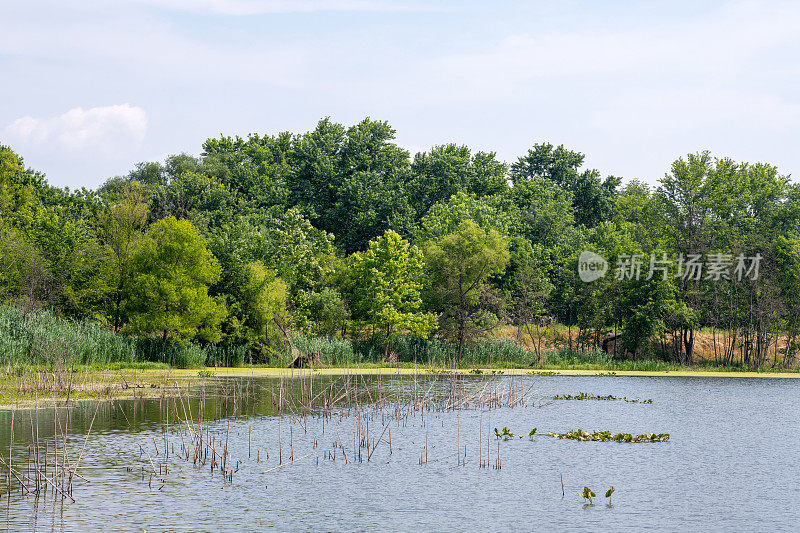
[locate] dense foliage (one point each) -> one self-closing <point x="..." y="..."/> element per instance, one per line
<point x="339" y="232"/>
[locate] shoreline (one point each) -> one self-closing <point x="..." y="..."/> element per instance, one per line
<point x="120" y="384"/>
<point x="338" y="371"/>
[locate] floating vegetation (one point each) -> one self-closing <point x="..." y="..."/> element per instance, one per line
<point x="587" y="396"/>
<point x="543" y="373"/>
<point x="606" y="373"/>
<point x="609" y="492"/>
<point x="587" y="494"/>
<point x="532" y="433"/>
<point x="606" y="436"/>
<point x="505" y="434"/>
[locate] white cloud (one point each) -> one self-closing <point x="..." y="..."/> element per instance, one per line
<point x="104" y="128"/>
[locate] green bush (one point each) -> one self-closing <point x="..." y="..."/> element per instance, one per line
<point x="332" y="350"/>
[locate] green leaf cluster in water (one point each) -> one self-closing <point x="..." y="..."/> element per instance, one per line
<point x="587" y="396"/>
<point x="505" y="434"/>
<point x="606" y="436"/>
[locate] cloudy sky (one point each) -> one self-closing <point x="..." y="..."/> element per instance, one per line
<point x="90" y="87"/>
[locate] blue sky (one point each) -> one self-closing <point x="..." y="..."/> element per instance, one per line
<point x="90" y="87"/>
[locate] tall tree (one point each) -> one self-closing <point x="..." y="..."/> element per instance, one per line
<point x="592" y="197"/>
<point x="122" y="227"/>
<point x="447" y="169"/>
<point x="386" y="285"/>
<point x="459" y="264"/>
<point x="174" y="270"/>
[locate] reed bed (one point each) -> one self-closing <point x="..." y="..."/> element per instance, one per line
<point x="48" y="467"/>
<point x="355" y="416"/>
<point x="351" y="419"/>
<point x="335" y="351"/>
<point x="40" y="338"/>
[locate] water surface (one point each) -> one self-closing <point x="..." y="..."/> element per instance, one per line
<point x="731" y="463"/>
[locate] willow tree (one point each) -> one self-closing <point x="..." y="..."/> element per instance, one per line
<point x="459" y="265"/>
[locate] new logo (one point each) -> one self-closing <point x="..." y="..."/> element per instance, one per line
<point x="591" y="266"/>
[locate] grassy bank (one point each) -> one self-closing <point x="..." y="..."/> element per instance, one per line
<point x="46" y="356"/>
<point x="39" y="339"/>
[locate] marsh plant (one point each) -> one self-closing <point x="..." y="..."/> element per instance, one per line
<point x="608" y="397"/>
<point x="588" y="494"/>
<point x="505" y="434"/>
<point x="607" y="436"/>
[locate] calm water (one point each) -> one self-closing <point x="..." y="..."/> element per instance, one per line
<point x="732" y="464"/>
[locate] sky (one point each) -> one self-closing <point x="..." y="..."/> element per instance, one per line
<point x="88" y="88"/>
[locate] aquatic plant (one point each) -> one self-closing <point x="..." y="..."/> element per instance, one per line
<point x="587" y="494"/>
<point x="505" y="434"/>
<point x="609" y="492"/>
<point x="41" y="338"/>
<point x="607" y="436"/>
<point x="587" y="396"/>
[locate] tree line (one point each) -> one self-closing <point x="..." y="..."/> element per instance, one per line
<point x="341" y="232"/>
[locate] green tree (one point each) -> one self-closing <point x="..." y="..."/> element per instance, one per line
<point x="527" y="289"/>
<point x="350" y="181"/>
<point x="71" y="279"/>
<point x="448" y="169"/>
<point x="327" y="312"/>
<point x="459" y="265"/>
<point x="647" y="303"/>
<point x="386" y="281"/>
<point x="592" y="197"/>
<point x="541" y="211"/>
<point x="173" y="270"/>
<point x="259" y="306"/>
<point x="195" y="196"/>
<point x="122" y="226"/>
<point x="18" y="198"/>
<point x="445" y="218"/>
<point x="788" y="267"/>
<point x="253" y="169"/>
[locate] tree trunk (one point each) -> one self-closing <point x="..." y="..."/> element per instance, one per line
<point x="294" y="352"/>
<point x="688" y="343"/>
<point x="789" y="342"/>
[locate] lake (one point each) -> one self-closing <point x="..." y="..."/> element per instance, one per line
<point x="419" y="453"/>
